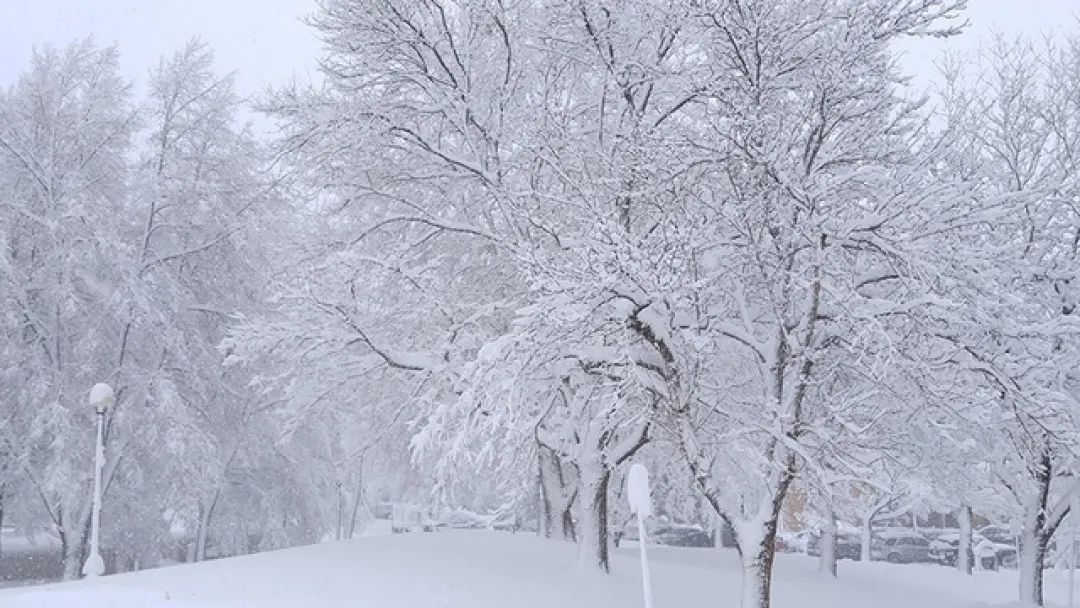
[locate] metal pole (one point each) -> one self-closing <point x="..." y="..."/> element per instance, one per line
<point x="1072" y="549"/>
<point x="95" y="565"/>
<point x="637" y="491"/>
<point x="646" y="582"/>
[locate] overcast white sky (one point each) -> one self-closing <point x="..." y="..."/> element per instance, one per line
<point x="265" y="42"/>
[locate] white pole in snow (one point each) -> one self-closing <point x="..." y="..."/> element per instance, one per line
<point x="101" y="397"/>
<point x="1074" y="513"/>
<point x="641" y="505"/>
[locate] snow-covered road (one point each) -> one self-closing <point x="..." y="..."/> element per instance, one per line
<point x="480" y="569"/>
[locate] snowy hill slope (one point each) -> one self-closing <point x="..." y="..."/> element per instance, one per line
<point x="478" y="569"/>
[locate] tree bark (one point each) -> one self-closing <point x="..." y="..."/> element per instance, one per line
<point x="594" y="541"/>
<point x="865" y="539"/>
<point x="1" y="519"/>
<point x="339" y="533"/>
<point x="756" y="542"/>
<point x="206" y="516"/>
<point x="545" y="473"/>
<point x="358" y="498"/>
<point x="965" y="556"/>
<point x="1036" y="536"/>
<point x="1032" y="564"/>
<point x="568" y="530"/>
<point x="74" y="547"/>
<point x="827" y="563"/>
<point x="556" y="497"/>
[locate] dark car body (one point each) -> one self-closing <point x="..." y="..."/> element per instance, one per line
<point x="847" y="546"/>
<point x="997" y="549"/>
<point x="901" y="549"/>
<point x="945" y="548"/>
<point x="998" y="534"/>
<point x="462" y="520"/>
<point x="681" y="536"/>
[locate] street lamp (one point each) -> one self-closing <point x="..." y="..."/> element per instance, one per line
<point x="101" y="397"/>
<point x="637" y="491"/>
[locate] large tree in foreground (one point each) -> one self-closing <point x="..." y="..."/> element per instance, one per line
<point x="679" y="214"/>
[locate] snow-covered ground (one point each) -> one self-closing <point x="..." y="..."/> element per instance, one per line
<point x="484" y="569"/>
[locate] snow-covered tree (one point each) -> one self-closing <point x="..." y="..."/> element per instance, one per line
<point x="66" y="127"/>
<point x="1015" y="121"/>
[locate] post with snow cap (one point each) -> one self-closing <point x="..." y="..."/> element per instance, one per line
<point x="101" y="397"/>
<point x="637" y="490"/>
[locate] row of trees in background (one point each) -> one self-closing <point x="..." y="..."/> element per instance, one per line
<point x="127" y="242"/>
<point x="542" y="241"/>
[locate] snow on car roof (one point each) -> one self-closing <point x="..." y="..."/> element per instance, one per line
<point x="897" y="533"/>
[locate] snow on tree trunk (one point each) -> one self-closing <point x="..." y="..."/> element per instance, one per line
<point x="756" y="544"/>
<point x="755" y="585"/>
<point x="357" y="500"/>
<point x="1032" y="563"/>
<point x="74" y="542"/>
<point x="867" y="535"/>
<point x="556" y="500"/>
<point x="827" y="563"/>
<point x="74" y="550"/>
<point x="965" y="557"/>
<point x="1" y="518"/>
<point x="72" y="561"/>
<point x="1035" y="536"/>
<point x="593" y="540"/>
<point x="206" y="515"/>
<point x="567" y="529"/>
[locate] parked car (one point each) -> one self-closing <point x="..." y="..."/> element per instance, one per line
<point x="794" y="542"/>
<point x="901" y="548"/>
<point x="998" y="549"/>
<point x="382" y="510"/>
<point x="848" y="546"/>
<point x="410" y="518"/>
<point x="462" y="519"/>
<point x="681" y="536"/>
<point x="994" y="556"/>
<point x="997" y="534"/>
<point x="945" y="548"/>
<point x="507" y="522"/>
<point x="989" y="555"/>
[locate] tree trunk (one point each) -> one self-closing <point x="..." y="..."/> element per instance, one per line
<point x="73" y="543"/>
<point x="73" y="560"/>
<point x="965" y="556"/>
<point x="568" y="531"/>
<point x="1032" y="563"/>
<point x="339" y="533"/>
<point x="1036" y="536"/>
<point x="867" y="537"/>
<point x="755" y="585"/>
<point x="74" y="548"/>
<point x="545" y="477"/>
<point x="593" y="542"/>
<point x="206" y="516"/>
<point x="358" y="498"/>
<point x="827" y="563"/>
<point x="557" y="501"/>
<point x="756" y="542"/>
